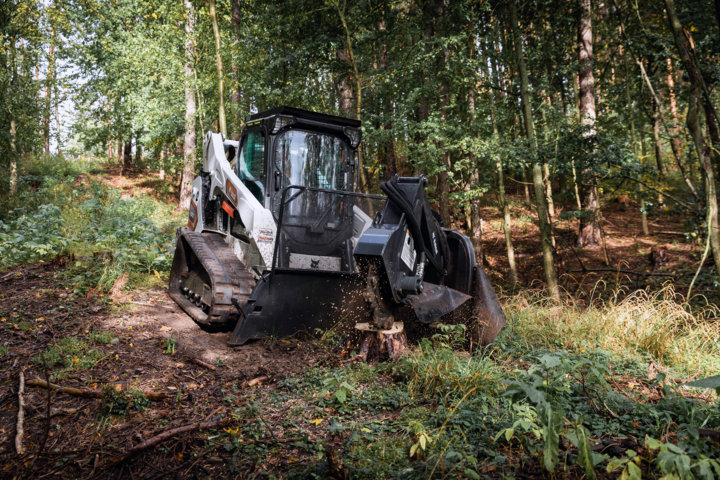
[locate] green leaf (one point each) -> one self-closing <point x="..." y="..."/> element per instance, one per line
<point x="551" y="435"/>
<point x="709" y="382"/>
<point x="631" y="472"/>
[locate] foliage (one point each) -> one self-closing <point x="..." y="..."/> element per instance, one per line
<point x="118" y="402"/>
<point x="106" y="233"/>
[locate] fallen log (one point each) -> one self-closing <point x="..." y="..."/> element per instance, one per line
<point x="90" y="393"/>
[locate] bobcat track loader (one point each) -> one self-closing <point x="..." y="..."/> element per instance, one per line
<point x="279" y="242"/>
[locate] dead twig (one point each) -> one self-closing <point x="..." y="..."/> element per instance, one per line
<point x="21" y="415"/>
<point x="619" y="270"/>
<point x="89" y="393"/>
<point x="161" y="437"/>
<point x="199" y="362"/>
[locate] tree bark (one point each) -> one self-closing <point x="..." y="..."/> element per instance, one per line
<point x="190" y="109"/>
<point x="218" y="60"/>
<point x="589" y="234"/>
<point x="547" y="249"/>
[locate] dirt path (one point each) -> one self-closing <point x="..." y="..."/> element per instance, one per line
<point x="89" y="344"/>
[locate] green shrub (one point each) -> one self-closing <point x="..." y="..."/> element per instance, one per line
<point x="33" y="236"/>
<point x="115" y="402"/>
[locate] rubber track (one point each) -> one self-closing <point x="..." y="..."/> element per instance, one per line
<point x="231" y="282"/>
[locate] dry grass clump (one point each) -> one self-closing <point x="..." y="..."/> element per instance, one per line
<point x="659" y="324"/>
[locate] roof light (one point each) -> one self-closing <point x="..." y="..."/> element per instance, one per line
<point x="282" y="121"/>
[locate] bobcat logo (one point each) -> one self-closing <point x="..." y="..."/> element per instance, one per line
<point x="314" y="263"/>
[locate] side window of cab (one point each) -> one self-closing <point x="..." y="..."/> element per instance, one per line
<point x="250" y="165"/>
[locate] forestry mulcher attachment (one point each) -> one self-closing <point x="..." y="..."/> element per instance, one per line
<point x="279" y="242"/>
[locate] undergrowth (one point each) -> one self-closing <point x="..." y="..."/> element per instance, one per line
<point x="657" y="326"/>
<point x="59" y="211"/>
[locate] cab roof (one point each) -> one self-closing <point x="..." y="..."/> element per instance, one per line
<point x="304" y="114"/>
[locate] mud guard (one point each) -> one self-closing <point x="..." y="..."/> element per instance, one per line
<point x="286" y="302"/>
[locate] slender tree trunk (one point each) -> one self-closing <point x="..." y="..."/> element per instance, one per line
<point x="661" y="116"/>
<point x="633" y="139"/>
<point x="657" y="143"/>
<point x="547" y="249"/>
<point x="221" y="75"/>
<point x="673" y="107"/>
<point x="127" y="157"/>
<point x="13" y="157"/>
<point x="362" y="179"/>
<point x="507" y="223"/>
<point x="49" y="80"/>
<point x="190" y="109"/>
<point x="693" y="124"/>
<point x="138" y="149"/>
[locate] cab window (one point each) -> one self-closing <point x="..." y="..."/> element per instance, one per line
<point x="250" y="166"/>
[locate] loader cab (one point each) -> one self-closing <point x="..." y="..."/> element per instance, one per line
<point x="288" y="146"/>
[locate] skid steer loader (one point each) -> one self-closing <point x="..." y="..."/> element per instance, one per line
<point x="278" y="241"/>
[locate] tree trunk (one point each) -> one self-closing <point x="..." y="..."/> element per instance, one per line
<point x="190" y="109"/>
<point x="633" y="139"/>
<point x="362" y="179"/>
<point x="138" y="149"/>
<point x="661" y="116"/>
<point x="127" y="158"/>
<point x="657" y="143"/>
<point x="218" y="59"/>
<point x="547" y="249"/>
<point x="589" y="234"/>
<point x="49" y="80"/>
<point x="673" y="107"/>
<point x="693" y="124"/>
<point x="507" y="221"/>
<point x="13" y="157"/>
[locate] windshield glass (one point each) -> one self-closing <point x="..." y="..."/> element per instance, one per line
<point x="250" y="167"/>
<point x="311" y="159"/>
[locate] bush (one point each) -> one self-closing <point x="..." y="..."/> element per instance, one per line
<point x="33" y="236"/>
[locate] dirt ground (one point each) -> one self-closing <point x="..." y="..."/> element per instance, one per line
<point x="194" y="380"/>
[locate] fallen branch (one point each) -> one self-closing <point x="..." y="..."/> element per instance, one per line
<point x="21" y="415"/>
<point x="256" y="381"/>
<point x="6" y="276"/>
<point x="89" y="393"/>
<point x="199" y="362"/>
<point x="161" y="437"/>
<point x="619" y="270"/>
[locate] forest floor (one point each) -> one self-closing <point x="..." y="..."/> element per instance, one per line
<point x="143" y="371"/>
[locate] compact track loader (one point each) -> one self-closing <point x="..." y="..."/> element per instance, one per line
<point x="278" y="241"/>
